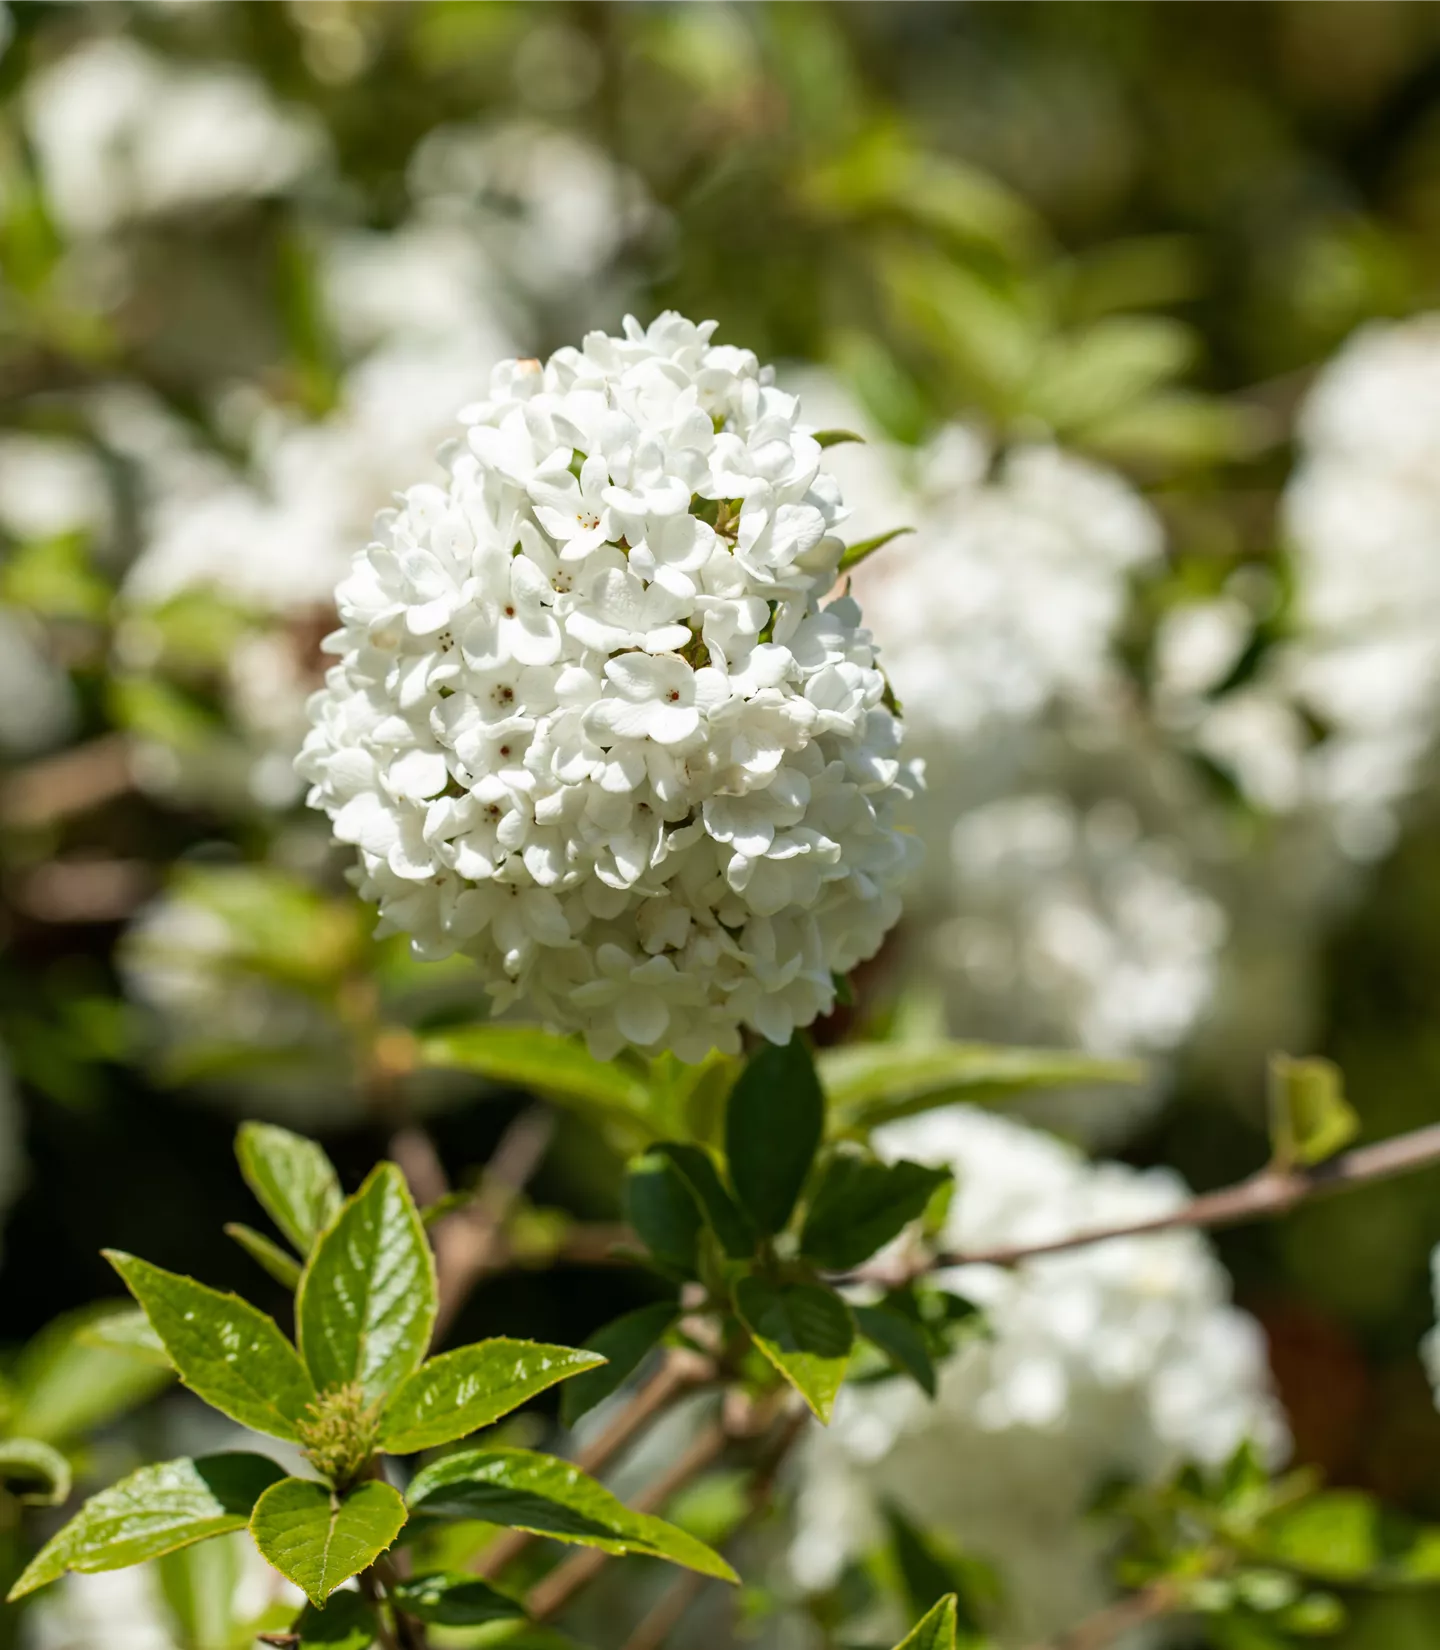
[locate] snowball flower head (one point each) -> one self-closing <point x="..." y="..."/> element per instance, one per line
<point x="1117" y="1360"/>
<point x="593" y="722"/>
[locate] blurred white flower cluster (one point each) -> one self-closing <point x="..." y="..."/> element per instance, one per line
<point x="592" y="723"/>
<point x="1342" y="714"/>
<point x="1118" y="1360"/>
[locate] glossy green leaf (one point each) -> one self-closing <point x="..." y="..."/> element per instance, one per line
<point x="854" y="554"/>
<point x="723" y="1214"/>
<point x="664" y="1212"/>
<point x="367" y="1300"/>
<point x="318" y="1538"/>
<point x="344" y="1622"/>
<point x="1310" y="1118"/>
<point x="552" y="1066"/>
<point x="805" y="1330"/>
<point x="151" y="1512"/>
<point x="293" y="1179"/>
<point x="285" y="1269"/>
<point x="225" y="1350"/>
<point x="935" y="1630"/>
<point x="64" y="1384"/>
<point x="861" y="1203"/>
<point x="623" y="1343"/>
<point x="451" y="1600"/>
<point x="871" y="1083"/>
<point x="901" y="1340"/>
<point x="461" y="1391"/>
<point x="547" y="1496"/>
<point x="36" y="1472"/>
<point x="773" y="1124"/>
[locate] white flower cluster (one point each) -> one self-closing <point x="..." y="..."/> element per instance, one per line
<point x="1083" y="919"/>
<point x="1032" y="553"/>
<point x="592" y="724"/>
<point x="121" y="134"/>
<point x="1362" y="515"/>
<point x="1120" y="1359"/>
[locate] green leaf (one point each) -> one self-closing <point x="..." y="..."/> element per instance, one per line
<point x="861" y="1203"/>
<point x="854" y="554"/>
<point x="65" y="1384"/>
<point x="902" y="1342"/>
<point x="546" y="1496"/>
<point x="773" y="1125"/>
<point x="726" y="1218"/>
<point x="225" y="1350"/>
<point x="366" y="1305"/>
<point x="837" y="438"/>
<point x="28" y="1461"/>
<point x="547" y="1065"/>
<point x="623" y="1343"/>
<point x="293" y="1179"/>
<point x="805" y="1330"/>
<point x="461" y="1391"/>
<point x="285" y="1269"/>
<point x="1310" y="1118"/>
<point x="317" y="1538"/>
<point x="344" y="1622"/>
<point x="871" y="1083"/>
<point x="199" y="1584"/>
<point x="449" y="1600"/>
<point x="151" y="1512"/>
<point x="934" y="1631"/>
<point x="664" y="1212"/>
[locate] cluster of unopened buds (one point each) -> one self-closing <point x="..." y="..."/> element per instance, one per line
<point x="594" y="722"/>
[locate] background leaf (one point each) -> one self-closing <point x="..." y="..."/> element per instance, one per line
<point x="448" y="1600"/>
<point x="805" y="1330"/>
<point x="861" y="1203"/>
<point x="36" y="1471"/>
<point x="225" y="1350"/>
<point x="551" y="1066"/>
<point x="871" y="1083"/>
<point x="366" y="1304"/>
<point x="151" y="1512"/>
<point x="64" y="1383"/>
<point x="773" y="1125"/>
<point x="900" y="1340"/>
<point x="547" y="1496"/>
<point x="461" y="1391"/>
<point x="664" y="1211"/>
<point x="725" y="1217"/>
<point x="317" y="1538"/>
<point x="344" y="1622"/>
<point x="293" y="1179"/>
<point x="1310" y="1118"/>
<point x="623" y="1343"/>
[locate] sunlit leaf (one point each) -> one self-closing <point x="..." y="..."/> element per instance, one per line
<point x="366" y="1304"/>
<point x="550" y="1497"/>
<point x="292" y="1178"/>
<point x="151" y="1512"/>
<point x="225" y="1350"/>
<point x="1310" y="1118"/>
<point x="449" y="1600"/>
<point x="319" y="1538"/>
<point x="935" y="1630"/>
<point x="461" y="1391"/>
<point x="284" y="1268"/>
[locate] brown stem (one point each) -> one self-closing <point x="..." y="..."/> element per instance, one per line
<point x="656" y="1626"/>
<point x="1160" y="1598"/>
<point x="1271" y="1192"/>
<point x="465" y="1241"/>
<point x="56" y="787"/>
<point x="681" y="1372"/>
